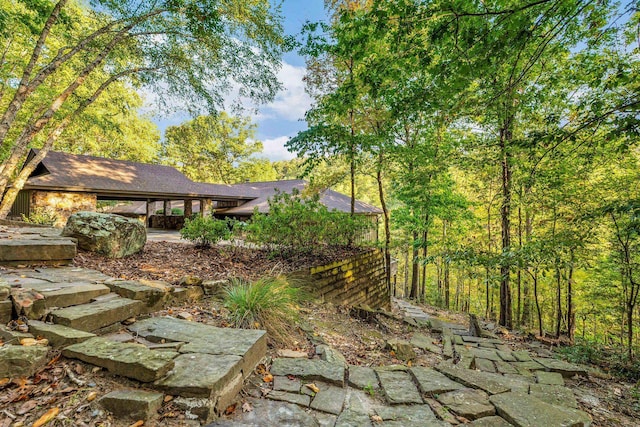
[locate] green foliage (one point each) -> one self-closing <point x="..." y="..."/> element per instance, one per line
<point x="297" y="224"/>
<point x="205" y="231"/>
<point x="177" y="211"/>
<point x="269" y="302"/>
<point x="42" y="216"/>
<point x="215" y="149"/>
<point x="612" y="359"/>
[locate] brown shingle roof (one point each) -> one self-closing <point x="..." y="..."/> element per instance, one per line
<point x="122" y="179"/>
<point x="264" y="190"/>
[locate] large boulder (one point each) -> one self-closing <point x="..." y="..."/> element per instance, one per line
<point x="112" y="235"/>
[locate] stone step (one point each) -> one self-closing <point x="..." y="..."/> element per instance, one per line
<point x="68" y="294"/>
<point x="35" y="251"/>
<point x="124" y="359"/>
<point x="96" y="315"/>
<point x="58" y="335"/>
<point x="154" y="298"/>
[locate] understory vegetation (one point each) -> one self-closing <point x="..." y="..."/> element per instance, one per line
<point x="270" y="303"/>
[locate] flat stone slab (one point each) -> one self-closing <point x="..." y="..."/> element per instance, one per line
<point x="349" y="418"/>
<point x="128" y="360"/>
<point x="472" y="378"/>
<point x="200" y="338"/>
<point x="523" y="410"/>
<point x="329" y="399"/>
<point x="69" y="293"/>
<point x="91" y="317"/>
<point x="309" y="369"/>
<point x="485" y="365"/>
<point x="58" y="335"/>
<point x="505" y="368"/>
<point x="153" y="297"/>
<point x="554" y="394"/>
<point x="291" y="385"/>
<point x="21" y="361"/>
<point x="521" y="355"/>
<point x="66" y="274"/>
<point x="567" y="369"/>
<point x="270" y="413"/>
<point x="398" y="387"/>
<point x="469" y="403"/>
<point x="37" y="250"/>
<point x="200" y="375"/>
<point x="493" y="421"/>
<point x="432" y="382"/>
<point x="554" y="378"/>
<point x="296" y="398"/>
<point x="409" y="416"/>
<point x="363" y="377"/>
<point x="484" y="353"/>
<point x="507" y="356"/>
<point x="425" y="342"/>
<point x="132" y="403"/>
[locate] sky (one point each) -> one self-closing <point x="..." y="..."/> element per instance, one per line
<point x="284" y="117"/>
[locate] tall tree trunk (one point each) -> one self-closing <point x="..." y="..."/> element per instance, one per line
<point x="538" y="310"/>
<point x="425" y="234"/>
<point x="526" y="309"/>
<point x="558" y="300"/>
<point x="571" y="315"/>
<point x="385" y="211"/>
<point x="505" y="268"/>
<point x="414" y="267"/>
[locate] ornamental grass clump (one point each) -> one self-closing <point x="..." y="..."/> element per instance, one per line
<point x="269" y="303"/>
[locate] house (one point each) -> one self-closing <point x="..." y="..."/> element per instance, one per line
<point x="69" y="183"/>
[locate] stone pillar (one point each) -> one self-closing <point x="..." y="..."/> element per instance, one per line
<point x="188" y="208"/>
<point x="166" y="211"/>
<point x="149" y="212"/>
<point x="205" y="207"/>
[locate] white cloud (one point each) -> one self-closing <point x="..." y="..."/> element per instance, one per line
<point x="292" y="102"/>
<point x="274" y="149"/>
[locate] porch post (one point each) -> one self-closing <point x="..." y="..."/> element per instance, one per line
<point x="148" y="220"/>
<point x="188" y="208"/>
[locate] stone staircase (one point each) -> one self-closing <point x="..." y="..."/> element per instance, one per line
<point x="106" y="322"/>
<point x="44" y="245"/>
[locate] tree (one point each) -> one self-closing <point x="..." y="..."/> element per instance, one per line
<point x="210" y="148"/>
<point x="187" y="52"/>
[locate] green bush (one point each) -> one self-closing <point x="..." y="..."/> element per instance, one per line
<point x="205" y="231"/>
<point x="270" y="303"/>
<point x="174" y="211"/>
<point x="296" y="224"/>
<point x="42" y="216"/>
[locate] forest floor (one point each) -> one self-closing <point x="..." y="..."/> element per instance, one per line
<point x="609" y="400"/>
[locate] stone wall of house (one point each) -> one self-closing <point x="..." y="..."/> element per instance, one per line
<point x="63" y="204"/>
<point x="169" y="222"/>
<point x="350" y="282"/>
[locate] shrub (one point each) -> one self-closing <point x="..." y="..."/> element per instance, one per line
<point x="297" y="225"/>
<point x="174" y="211"/>
<point x="205" y="231"/>
<point x="269" y="302"/>
<point x="42" y="216"/>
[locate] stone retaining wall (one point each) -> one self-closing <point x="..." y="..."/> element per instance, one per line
<point x="64" y="204"/>
<point x="351" y="282"/>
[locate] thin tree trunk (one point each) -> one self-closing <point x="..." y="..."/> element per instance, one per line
<point x="414" y="267"/>
<point x="505" y="289"/>
<point x="385" y="211"/>
<point x="558" y="301"/>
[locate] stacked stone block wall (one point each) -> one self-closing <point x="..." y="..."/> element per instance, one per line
<point x="63" y="204"/>
<point x="359" y="280"/>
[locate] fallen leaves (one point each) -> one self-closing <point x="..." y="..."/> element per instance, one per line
<point x="314" y="388"/>
<point x="246" y="407"/>
<point x="91" y="396"/>
<point x="138" y="423"/>
<point x="28" y="342"/>
<point x="47" y="417"/>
